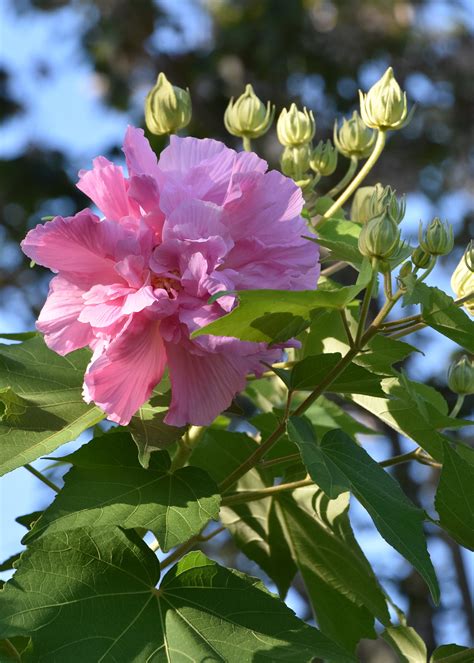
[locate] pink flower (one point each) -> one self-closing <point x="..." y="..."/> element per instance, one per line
<point x="134" y="285"/>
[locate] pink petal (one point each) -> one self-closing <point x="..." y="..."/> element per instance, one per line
<point x="58" y="320"/>
<point x="203" y="385"/>
<point x="141" y="160"/>
<point x="106" y="187"/>
<point x="124" y="376"/>
<point x="79" y="246"/>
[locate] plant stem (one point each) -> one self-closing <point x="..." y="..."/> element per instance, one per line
<point x="407" y="330"/>
<point x="360" y="177"/>
<point x="277" y="461"/>
<point x="387" y="282"/>
<point x="247" y="144"/>
<point x="365" y="305"/>
<point x="41" y="477"/>
<point x="332" y="269"/>
<point x="185" y="446"/>
<point x="457" y="406"/>
<point x="251" y="495"/>
<point x="347" y="329"/>
<point x="183" y="549"/>
<point x="346" y="179"/>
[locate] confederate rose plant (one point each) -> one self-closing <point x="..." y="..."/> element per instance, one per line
<point x="134" y="285"/>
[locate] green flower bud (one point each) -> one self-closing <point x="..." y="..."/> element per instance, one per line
<point x="354" y="138"/>
<point x="167" y="107"/>
<point x="420" y="259"/>
<point x="294" y="161"/>
<point x="462" y="281"/>
<point x="438" y="238"/>
<point x="361" y="209"/>
<point x="384" y="199"/>
<point x="385" y="105"/>
<point x="324" y="158"/>
<point x="405" y="270"/>
<point x="469" y="256"/>
<point x="461" y="376"/>
<point x="295" y="127"/>
<point x="379" y="237"/>
<point x="248" y="116"/>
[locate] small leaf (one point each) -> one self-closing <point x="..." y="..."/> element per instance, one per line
<point x="320" y="468"/>
<point x="43" y="404"/>
<point x="452" y="654"/>
<point x="398" y="520"/>
<point x="90" y="595"/>
<point x="107" y="487"/>
<point x="454" y="500"/>
<point x="406" y="642"/>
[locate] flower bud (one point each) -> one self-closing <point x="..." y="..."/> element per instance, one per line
<point x="361" y="209"/>
<point x="461" y="376"/>
<point x="324" y="158"/>
<point x="354" y="138"/>
<point x="438" y="238"/>
<point x="405" y="270"/>
<point x="462" y="283"/>
<point x="420" y="259"/>
<point x="295" y="161"/>
<point x="295" y="127"/>
<point x="385" y="105"/>
<point x="167" y="107"/>
<point x="248" y="117"/>
<point x="469" y="256"/>
<point x="384" y="199"/>
<point x="379" y="237"/>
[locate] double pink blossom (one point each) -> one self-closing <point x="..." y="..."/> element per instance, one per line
<point x="134" y="285"/>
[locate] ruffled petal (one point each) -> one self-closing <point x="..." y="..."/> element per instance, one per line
<point x="106" y="186"/>
<point x="141" y="160"/>
<point x="58" y="320"/>
<point x="123" y="377"/>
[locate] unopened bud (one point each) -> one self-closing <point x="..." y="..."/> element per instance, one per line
<point x="324" y="158"/>
<point x="405" y="270"/>
<point x="167" y="107"/>
<point x="379" y="237"/>
<point x="247" y="116"/>
<point x="386" y="200"/>
<point x="295" y="161"/>
<point x="469" y="256"/>
<point x="295" y="127"/>
<point x="420" y="259"/>
<point x="361" y="209"/>
<point x="461" y="376"/>
<point x="438" y="239"/>
<point x="462" y="283"/>
<point x="354" y="138"/>
<point x="385" y="105"/>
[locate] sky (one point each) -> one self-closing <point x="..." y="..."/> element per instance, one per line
<point x="65" y="111"/>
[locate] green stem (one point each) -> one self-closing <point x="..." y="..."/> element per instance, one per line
<point x="457" y="406"/>
<point x="347" y="329"/>
<point x="407" y="330"/>
<point x="41" y="477"/>
<point x="365" y="305"/>
<point x="387" y="283"/>
<point x="186" y="446"/>
<point x="360" y="177"/>
<point x="251" y="495"/>
<point x="183" y="549"/>
<point x="332" y="269"/>
<point x="246" y="144"/>
<point x="346" y="179"/>
<point x="428" y="271"/>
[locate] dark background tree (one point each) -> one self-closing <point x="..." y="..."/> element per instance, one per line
<point x="316" y="52"/>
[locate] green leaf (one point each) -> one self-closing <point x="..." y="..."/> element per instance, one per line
<point x="406" y="642"/>
<point x="107" y="487"/>
<point x="19" y="336"/>
<point x="14" y="649"/>
<point x="42" y="401"/>
<point x="452" y="654"/>
<point x="273" y="316"/>
<point x="341" y="238"/>
<point x="441" y="313"/>
<point x="454" y="500"/>
<point x="90" y="595"/>
<point x="149" y="431"/>
<point x="325" y="415"/>
<point x="336" y="574"/>
<point x="382" y="352"/>
<point x="397" y="519"/>
<point x="310" y="371"/>
<point x="320" y="468"/>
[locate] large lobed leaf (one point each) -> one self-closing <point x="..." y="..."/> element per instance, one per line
<point x="107" y="487"/>
<point x="41" y="405"/>
<point x="91" y="596"/>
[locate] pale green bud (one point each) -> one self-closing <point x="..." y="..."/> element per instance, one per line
<point x="420" y="258"/>
<point x="324" y="158"/>
<point x="405" y="270"/>
<point x="361" y="209"/>
<point x="295" y="127"/>
<point x="469" y="256"/>
<point x="461" y="376"/>
<point x="462" y="281"/>
<point x="247" y="116"/>
<point x="294" y="161"/>
<point x="384" y="199"/>
<point x="385" y="105"/>
<point x="379" y="237"/>
<point x="438" y="238"/>
<point x="354" y="138"/>
<point x="167" y="107"/>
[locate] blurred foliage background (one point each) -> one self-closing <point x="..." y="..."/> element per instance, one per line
<point x="73" y="74"/>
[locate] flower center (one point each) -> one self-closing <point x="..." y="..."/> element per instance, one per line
<point x="170" y="284"/>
